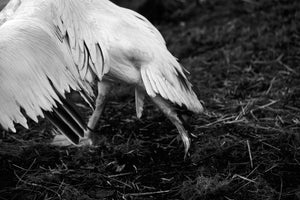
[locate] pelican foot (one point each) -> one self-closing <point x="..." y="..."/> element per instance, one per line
<point x="63" y="141"/>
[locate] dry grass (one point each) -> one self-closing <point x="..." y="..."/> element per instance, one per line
<point x="244" y="58"/>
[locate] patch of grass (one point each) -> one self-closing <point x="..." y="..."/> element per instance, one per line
<point x="204" y="187"/>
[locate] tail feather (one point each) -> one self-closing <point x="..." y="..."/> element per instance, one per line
<point x="171" y="85"/>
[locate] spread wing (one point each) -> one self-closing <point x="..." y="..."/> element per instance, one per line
<point x="47" y="48"/>
<point x="34" y="68"/>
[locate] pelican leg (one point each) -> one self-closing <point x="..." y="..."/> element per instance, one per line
<point x="169" y="111"/>
<point x="90" y="136"/>
<point x="103" y="90"/>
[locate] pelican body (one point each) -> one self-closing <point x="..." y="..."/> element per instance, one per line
<point x="50" y="47"/>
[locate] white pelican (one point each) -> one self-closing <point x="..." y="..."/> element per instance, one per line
<point x="50" y="47"/>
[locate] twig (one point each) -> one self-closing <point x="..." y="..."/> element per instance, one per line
<point x="244" y="110"/>
<point x="60" y="187"/>
<point x="271" y="85"/>
<point x="288" y="68"/>
<point x="292" y="108"/>
<point x="236" y="121"/>
<point x="147" y="193"/>
<point x="242" y="177"/>
<point x="250" y="154"/>
<point x="273" y="166"/>
<point x="253" y="170"/>
<point x="268" y="104"/>
<point x="242" y="187"/>
<point x="267" y="128"/>
<point x="228" y="198"/>
<point x="253" y="115"/>
<point x="217" y="121"/>
<point x="270" y="146"/>
<point x="118" y="181"/>
<point x="36" y="185"/>
<point x="26" y="170"/>
<point x="279" y="61"/>
<point x="118" y="175"/>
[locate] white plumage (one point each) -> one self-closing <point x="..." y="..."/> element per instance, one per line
<point x="50" y="47"/>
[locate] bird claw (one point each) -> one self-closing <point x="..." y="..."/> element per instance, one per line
<point x="185" y="139"/>
<point x="61" y="140"/>
<point x="186" y="142"/>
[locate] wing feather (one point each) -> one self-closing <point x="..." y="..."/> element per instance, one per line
<point x="32" y="62"/>
<point x="83" y="40"/>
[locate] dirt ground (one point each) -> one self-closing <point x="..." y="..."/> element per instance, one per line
<point x="244" y="58"/>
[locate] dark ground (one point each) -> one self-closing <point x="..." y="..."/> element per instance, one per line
<point x="244" y="57"/>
